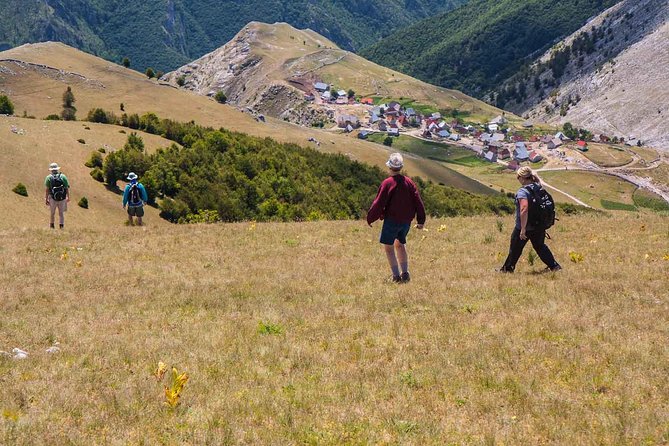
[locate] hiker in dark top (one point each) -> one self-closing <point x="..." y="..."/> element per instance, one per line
<point x="397" y="203"/>
<point x="134" y="196"/>
<point x="57" y="194"/>
<point x="525" y="229"/>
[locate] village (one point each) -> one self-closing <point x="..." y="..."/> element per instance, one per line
<point x="495" y="141"/>
<point x="498" y="142"/>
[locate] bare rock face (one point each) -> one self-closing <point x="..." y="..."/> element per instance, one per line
<point x="619" y="89"/>
<point x="251" y="78"/>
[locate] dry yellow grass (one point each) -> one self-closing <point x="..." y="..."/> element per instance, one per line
<point x="39" y="93"/>
<point x="461" y="355"/>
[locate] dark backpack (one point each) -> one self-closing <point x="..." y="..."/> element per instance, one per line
<point x="134" y="197"/>
<point x="541" y="213"/>
<point x="58" y="190"/>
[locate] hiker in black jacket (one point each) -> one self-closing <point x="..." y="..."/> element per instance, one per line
<point x="528" y="226"/>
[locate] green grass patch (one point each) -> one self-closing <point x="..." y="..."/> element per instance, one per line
<point x="646" y="199"/>
<point x="617" y="206"/>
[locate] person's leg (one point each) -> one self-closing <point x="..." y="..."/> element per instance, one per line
<point x="130" y="214"/>
<point x="61" y="213"/>
<point x="52" y="208"/>
<point x="538" y="239"/>
<point x="515" y="251"/>
<point x="392" y="260"/>
<point x="402" y="256"/>
<point x="140" y="215"/>
<point x="387" y="239"/>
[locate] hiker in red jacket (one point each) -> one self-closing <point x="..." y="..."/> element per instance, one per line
<point x="397" y="203"/>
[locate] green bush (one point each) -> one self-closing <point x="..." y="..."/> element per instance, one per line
<point x="6" y="106"/>
<point x="83" y="203"/>
<point x="150" y="73"/>
<point x="20" y="189"/>
<point x="97" y="175"/>
<point x="53" y="117"/>
<point x="101" y="116"/>
<point x="181" y="81"/>
<point x="94" y="161"/>
<point x="81" y="141"/>
<point x="220" y="97"/>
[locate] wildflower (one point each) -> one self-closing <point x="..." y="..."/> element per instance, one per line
<point x="576" y="257"/>
<point x="160" y="371"/>
<point x="442" y="228"/>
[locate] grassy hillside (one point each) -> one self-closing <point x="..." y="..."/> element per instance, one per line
<point x="264" y="55"/>
<point x="166" y="34"/>
<point x="97" y="83"/>
<point x="289" y="335"/>
<point x="482" y="43"/>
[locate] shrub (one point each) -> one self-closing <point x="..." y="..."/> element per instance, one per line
<point x="388" y="141"/>
<point x="126" y="62"/>
<point x="6" y="106"/>
<point x="150" y="73"/>
<point x="220" y="97"/>
<point x="53" y="117"/>
<point x="181" y="81"/>
<point x="102" y="150"/>
<point x="97" y="175"/>
<point x="268" y="328"/>
<point x="20" y="189"/>
<point x="81" y="141"/>
<point x="203" y="216"/>
<point x="69" y="114"/>
<point x="94" y="161"/>
<point x="83" y="203"/>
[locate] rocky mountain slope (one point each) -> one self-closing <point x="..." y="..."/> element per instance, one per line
<point x="269" y="68"/>
<point x="612" y="76"/>
<point x="165" y="34"/>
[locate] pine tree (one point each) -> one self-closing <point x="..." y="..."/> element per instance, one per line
<point x="69" y="110"/>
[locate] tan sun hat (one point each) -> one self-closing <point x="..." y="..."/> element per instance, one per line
<point x="54" y="167"/>
<point x="395" y="161"/>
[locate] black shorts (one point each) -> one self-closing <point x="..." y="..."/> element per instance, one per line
<point x="136" y="211"/>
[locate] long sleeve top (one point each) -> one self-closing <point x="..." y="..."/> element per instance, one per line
<point x="398" y="199"/>
<point x="142" y="194"/>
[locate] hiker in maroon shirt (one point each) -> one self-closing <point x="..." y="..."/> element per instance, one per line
<point x="397" y="203"/>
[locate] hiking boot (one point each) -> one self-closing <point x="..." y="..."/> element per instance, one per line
<point x="52" y="226"/>
<point x="504" y="270"/>
<point x="552" y="269"/>
<point x="396" y="279"/>
<point x="405" y="277"/>
<point x="62" y="226"/>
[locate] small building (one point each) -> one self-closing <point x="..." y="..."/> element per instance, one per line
<point x="395" y="106"/>
<point x="554" y="143"/>
<point x="436" y="115"/>
<point x="490" y="156"/>
<point x="309" y="97"/>
<point x="498" y="137"/>
<point x="363" y="134"/>
<point x="513" y="165"/>
<point x="504" y="154"/>
<point x="493" y="127"/>
<point x="393" y="131"/>
<point x="520" y="152"/>
<point x="561" y="136"/>
<point x="367" y="101"/>
<point x="410" y="112"/>
<point x="374" y="119"/>
<point x="454" y="137"/>
<point x="383" y="126"/>
<point x="342" y="94"/>
<point x="344" y="121"/>
<point x="582" y="146"/>
<point x="535" y="157"/>
<point x="321" y="87"/>
<point x="326" y="96"/>
<point x="427" y="134"/>
<point x="341" y="100"/>
<point x="349" y="128"/>
<point x="499" y="120"/>
<point x="376" y="111"/>
<point x="443" y="134"/>
<point x="528" y="124"/>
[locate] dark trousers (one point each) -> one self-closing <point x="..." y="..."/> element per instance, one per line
<point x="537" y="238"/>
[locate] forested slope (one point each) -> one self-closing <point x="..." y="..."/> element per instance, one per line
<point x="476" y="46"/>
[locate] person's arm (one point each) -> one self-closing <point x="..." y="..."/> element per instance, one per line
<point x="420" y="208"/>
<point x="125" y="196"/>
<point x="46" y="190"/>
<point x="145" y="196"/>
<point x="376" y="211"/>
<point x="524" y="207"/>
